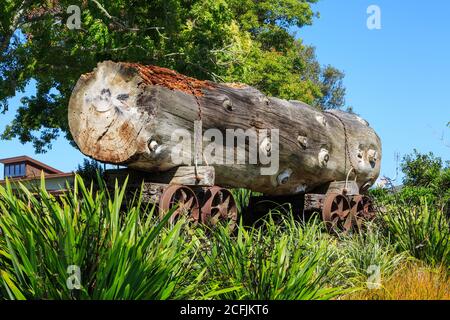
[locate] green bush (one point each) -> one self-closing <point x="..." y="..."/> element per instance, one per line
<point x="406" y="195"/>
<point x="422" y="230"/>
<point x="125" y="252"/>
<point x="121" y="254"/>
<point x="414" y="196"/>
<point x="426" y="175"/>
<point x="362" y="251"/>
<point x="285" y="260"/>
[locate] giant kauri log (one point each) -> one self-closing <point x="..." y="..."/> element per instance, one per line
<point x="127" y="114"/>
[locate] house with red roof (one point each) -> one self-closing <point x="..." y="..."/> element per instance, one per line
<point x="28" y="171"/>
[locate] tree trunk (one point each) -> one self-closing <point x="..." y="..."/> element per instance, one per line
<point x="127" y="114"/>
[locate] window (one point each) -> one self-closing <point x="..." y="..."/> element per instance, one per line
<point x="15" y="170"/>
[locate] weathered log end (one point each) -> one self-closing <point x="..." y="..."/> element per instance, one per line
<point x="110" y="110"/>
<point x="98" y="114"/>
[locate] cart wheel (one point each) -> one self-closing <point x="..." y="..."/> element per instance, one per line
<point x="336" y="213"/>
<point x="219" y="206"/>
<point x="185" y="198"/>
<point x="364" y="208"/>
<point x="359" y="207"/>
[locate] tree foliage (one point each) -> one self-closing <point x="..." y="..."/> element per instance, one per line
<point x="426" y="174"/>
<point x="222" y="40"/>
<point x="90" y="170"/>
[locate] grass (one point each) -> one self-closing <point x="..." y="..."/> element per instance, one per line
<point x="366" y="253"/>
<point x="119" y="249"/>
<point x="285" y="261"/>
<point x="120" y="255"/>
<point x="420" y="230"/>
<point x="412" y="282"/>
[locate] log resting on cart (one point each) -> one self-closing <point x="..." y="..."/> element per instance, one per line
<point x="126" y="113"/>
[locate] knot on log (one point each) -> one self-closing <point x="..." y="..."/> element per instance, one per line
<point x="303" y="141"/>
<point x="324" y="157"/>
<point x="283" y="177"/>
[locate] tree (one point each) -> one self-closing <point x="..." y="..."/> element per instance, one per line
<point x="421" y="170"/>
<point x="332" y="89"/>
<point x="429" y="172"/>
<point x="90" y="170"/>
<point x="222" y="40"/>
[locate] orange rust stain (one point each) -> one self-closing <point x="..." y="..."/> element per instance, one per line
<point x="126" y="131"/>
<point x="171" y="79"/>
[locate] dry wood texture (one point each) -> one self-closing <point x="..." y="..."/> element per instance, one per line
<point x="203" y="176"/>
<point x="126" y="113"/>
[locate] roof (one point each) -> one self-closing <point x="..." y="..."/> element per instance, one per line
<point x="47" y="177"/>
<point x="32" y="161"/>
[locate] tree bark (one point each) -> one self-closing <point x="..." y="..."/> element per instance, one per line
<point x="126" y="113"/>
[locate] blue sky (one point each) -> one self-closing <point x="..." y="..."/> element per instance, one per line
<point x="397" y="78"/>
<point x="62" y="155"/>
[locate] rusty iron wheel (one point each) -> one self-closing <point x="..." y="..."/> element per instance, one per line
<point x="219" y="206"/>
<point x="362" y="210"/>
<point x="188" y="205"/>
<point x="368" y="212"/>
<point x="359" y="207"/>
<point x="336" y="213"/>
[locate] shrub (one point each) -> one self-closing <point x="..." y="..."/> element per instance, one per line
<point x="125" y="252"/>
<point x="422" y="230"/>
<point x="365" y="253"/>
<point x="285" y="261"/>
<point x="121" y="255"/>
<point x="427" y="172"/>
